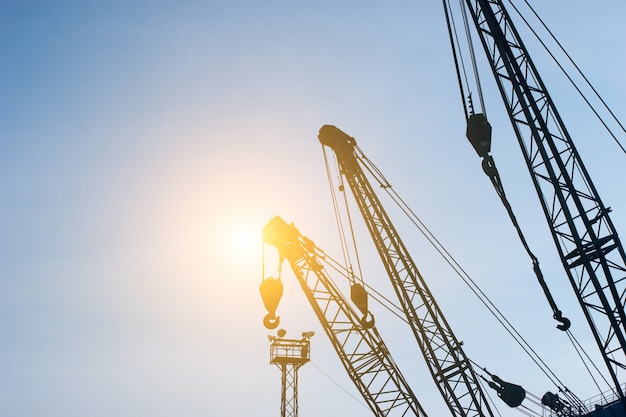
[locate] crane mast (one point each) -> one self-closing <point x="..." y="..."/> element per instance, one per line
<point x="585" y="237"/>
<point x="447" y="363"/>
<point x="357" y="342"/>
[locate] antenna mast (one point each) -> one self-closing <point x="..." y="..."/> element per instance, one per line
<point x="289" y="355"/>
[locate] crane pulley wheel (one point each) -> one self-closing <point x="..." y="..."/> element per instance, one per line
<point x="512" y="394"/>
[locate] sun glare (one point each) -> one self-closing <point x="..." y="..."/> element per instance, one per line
<point x="238" y="240"/>
<point x="244" y="239"/>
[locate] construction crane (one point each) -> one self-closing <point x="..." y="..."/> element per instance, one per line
<point x="449" y="366"/>
<point x="587" y="242"/>
<point x="354" y="337"/>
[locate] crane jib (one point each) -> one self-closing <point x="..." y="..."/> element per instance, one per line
<point x="449" y="367"/>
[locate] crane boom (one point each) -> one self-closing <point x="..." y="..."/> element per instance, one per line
<point x="585" y="237"/>
<point x="359" y="347"/>
<point x="447" y="363"/>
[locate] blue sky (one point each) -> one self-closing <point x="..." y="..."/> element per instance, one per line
<point x="144" y="143"/>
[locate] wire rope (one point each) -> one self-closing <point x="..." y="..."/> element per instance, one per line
<point x="487" y="393"/>
<point x="354" y="245"/>
<point x="470" y="45"/>
<point x="580" y="349"/>
<point x="341" y="387"/>
<point x="521" y="408"/>
<point x="340" y="228"/>
<point x="491" y="171"/>
<point x="465" y="277"/>
<point x="380" y="298"/>
<point x="457" y="56"/>
<point x="595" y="112"/>
<point x="395" y="310"/>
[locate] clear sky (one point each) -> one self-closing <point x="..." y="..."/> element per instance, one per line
<point x="144" y="144"/>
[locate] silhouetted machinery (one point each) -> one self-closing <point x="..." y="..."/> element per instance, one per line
<point x="585" y="237"/>
<point x="350" y="326"/>
<point x="351" y="331"/>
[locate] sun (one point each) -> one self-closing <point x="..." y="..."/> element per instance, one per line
<point x="235" y="243"/>
<point x="244" y="238"/>
<point x="237" y="237"/>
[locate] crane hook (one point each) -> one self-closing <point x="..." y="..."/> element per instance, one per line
<point x="271" y="292"/>
<point x="359" y="298"/>
<point x="565" y="322"/>
<point x="558" y="315"/>
<point x="479" y="134"/>
<point x="367" y="324"/>
<point x="271" y="321"/>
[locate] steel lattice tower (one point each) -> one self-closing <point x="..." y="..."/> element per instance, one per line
<point x="289" y="355"/>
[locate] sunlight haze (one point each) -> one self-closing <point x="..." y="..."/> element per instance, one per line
<point x="145" y="144"/>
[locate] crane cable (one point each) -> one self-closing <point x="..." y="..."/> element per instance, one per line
<point x="458" y="58"/>
<point x="340" y="226"/>
<point x="595" y="112"/>
<point x="393" y="308"/>
<point x="384" y="301"/>
<point x="465" y="277"/>
<point x="491" y="171"/>
<point x="488" y="163"/>
<point x="565" y="322"/>
<point x="470" y="45"/>
<point x="580" y="351"/>
<point x="489" y="167"/>
<point x="341" y="387"/>
<point x="358" y="293"/>
<point x="525" y="395"/>
<point x="577" y="346"/>
<point x="459" y="62"/>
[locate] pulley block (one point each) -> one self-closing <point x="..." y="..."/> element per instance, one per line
<point x="359" y="298"/>
<point x="479" y="134"/>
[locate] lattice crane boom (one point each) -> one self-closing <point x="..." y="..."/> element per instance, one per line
<point x="585" y="237"/>
<point x="450" y="368"/>
<point x="357" y="342"/>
